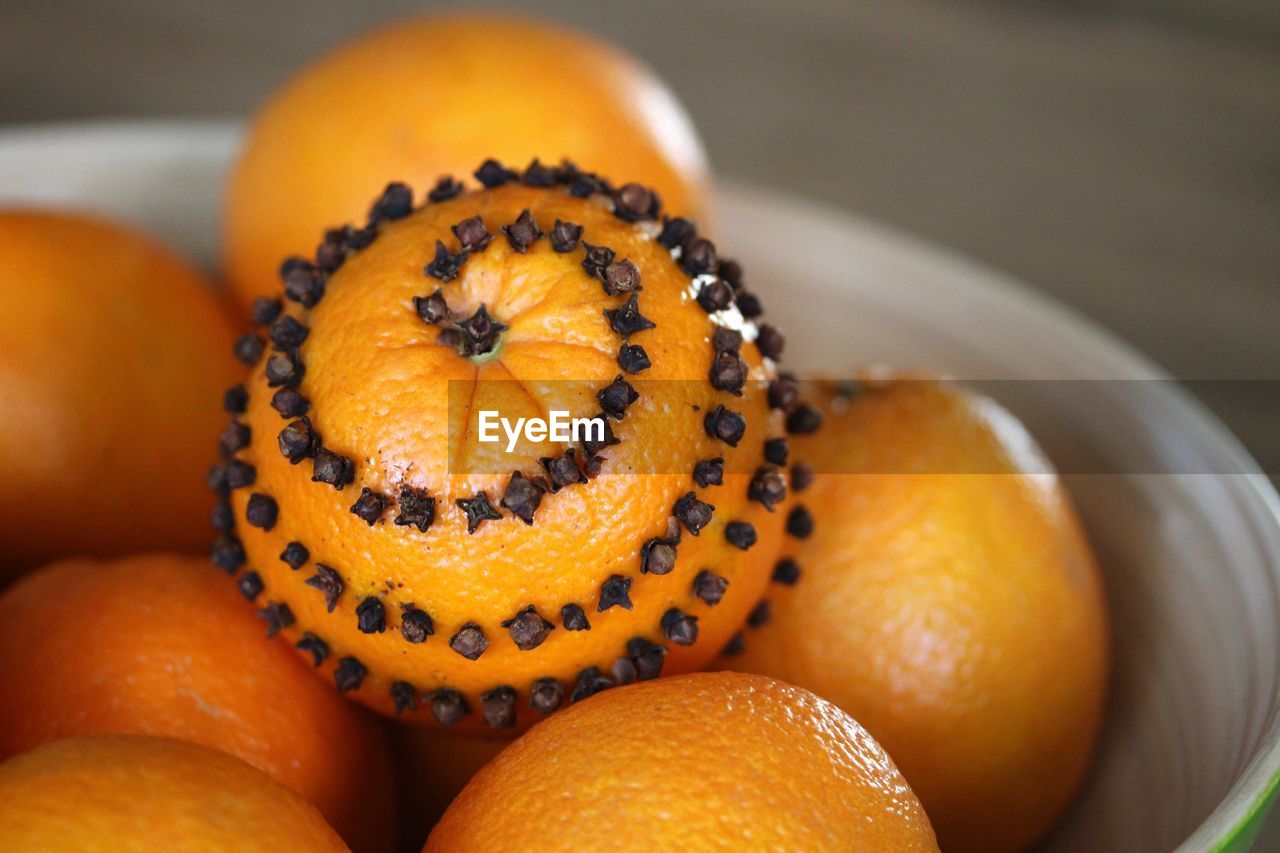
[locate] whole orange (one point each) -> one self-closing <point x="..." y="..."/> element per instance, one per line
<point x="113" y="360"/>
<point x="702" y="761"/>
<point x="437" y="95"/>
<point x="949" y="600"/>
<point x="129" y="792"/>
<point x="164" y="645"/>
<point x="460" y="580"/>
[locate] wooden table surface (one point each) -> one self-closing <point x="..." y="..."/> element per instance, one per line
<point x="1122" y="155"/>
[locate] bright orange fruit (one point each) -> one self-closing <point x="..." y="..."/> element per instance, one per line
<point x="468" y="582"/>
<point x="948" y="599"/>
<point x="129" y="792"/>
<point x="113" y="360"/>
<point x="164" y="645"/>
<point x="437" y="95"/>
<point x="703" y="760"/>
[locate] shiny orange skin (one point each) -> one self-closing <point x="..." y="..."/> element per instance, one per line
<point x="114" y="354"/>
<point x="432" y="767"/>
<point x="437" y="95"/>
<point x="695" y="762"/>
<point x="379" y="384"/>
<point x="129" y="792"/>
<point x="950" y="601"/>
<point x="164" y="645"/>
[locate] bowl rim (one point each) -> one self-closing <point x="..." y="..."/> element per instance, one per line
<point x="1239" y="815"/>
<point x="1234" y="821"/>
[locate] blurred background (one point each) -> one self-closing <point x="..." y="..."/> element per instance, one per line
<point x="1121" y="155"/>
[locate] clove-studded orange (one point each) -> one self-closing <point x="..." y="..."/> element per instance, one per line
<point x="445" y="577"/>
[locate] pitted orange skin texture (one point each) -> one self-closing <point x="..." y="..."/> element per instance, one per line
<point x="378" y="379"/>
<point x="703" y="761"/>
<point x="131" y="792"/>
<point x="437" y="95"/>
<point x="949" y="600"/>
<point x="163" y="645"/>
<point x="114" y="354"/>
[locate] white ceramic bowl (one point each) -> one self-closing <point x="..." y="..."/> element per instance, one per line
<point x="1187" y="528"/>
